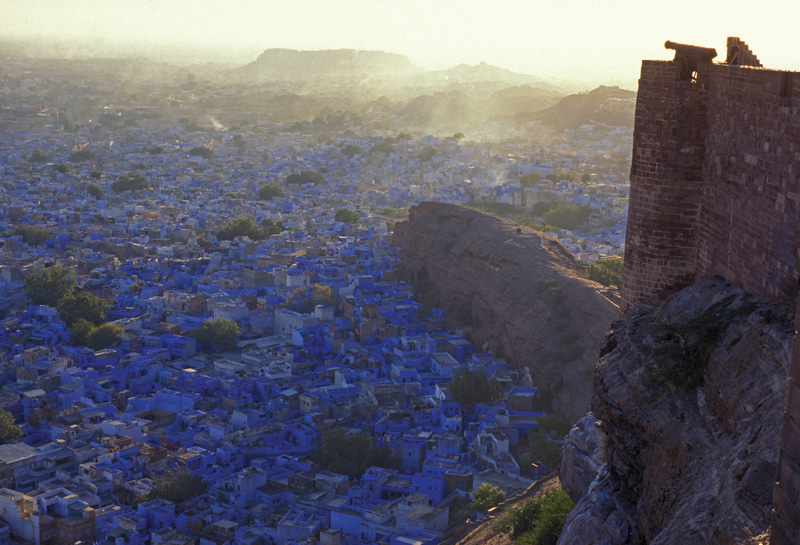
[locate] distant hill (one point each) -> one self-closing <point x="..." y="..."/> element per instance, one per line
<point x="279" y="64"/>
<point x="482" y="75"/>
<point x="604" y="105"/>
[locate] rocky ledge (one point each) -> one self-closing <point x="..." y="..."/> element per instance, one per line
<point x="688" y="399"/>
<point x="519" y="290"/>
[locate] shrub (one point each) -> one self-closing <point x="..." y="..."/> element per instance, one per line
<point x="682" y="349"/>
<point x="216" y="334"/>
<point x="469" y="387"/>
<point x="32" y="235"/>
<point x="305" y="177"/>
<point x="539" y="521"/>
<point x="130" y="182"/>
<point x="606" y="271"/>
<point x="103" y="336"/>
<point x="486" y="497"/>
<point x="82" y="155"/>
<point x="346" y="215"/>
<point x="268" y="191"/>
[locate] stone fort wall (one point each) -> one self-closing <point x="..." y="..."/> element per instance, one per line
<point x="715" y="189"/>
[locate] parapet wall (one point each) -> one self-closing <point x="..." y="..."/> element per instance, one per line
<point x="714" y="182"/>
<point x="715" y="189"/>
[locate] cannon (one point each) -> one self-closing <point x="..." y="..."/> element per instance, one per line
<point x="689" y="56"/>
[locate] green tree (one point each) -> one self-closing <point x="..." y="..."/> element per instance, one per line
<point x="37" y="156"/>
<point x="351" y="453"/>
<point x="201" y="151"/>
<point x="8" y="430"/>
<point x="48" y="286"/>
<point x="268" y="191"/>
<point x="216" y="334"/>
<point x="529" y="179"/>
<point x="95" y="174"/>
<point x="130" y="182"/>
<point x="543" y="450"/>
<point x="469" y="387"/>
<point x="271" y="227"/>
<point x="82" y="155"/>
<point x="305" y="177"/>
<point x="64" y="168"/>
<point x="567" y="216"/>
<point x="33" y="235"/>
<point x="351" y="149"/>
<point x="240" y="227"/>
<point x="381" y="147"/>
<point x="79" y="331"/>
<point x="94" y="190"/>
<point x="346" y="215"/>
<point x="176" y="485"/>
<point x="586" y="178"/>
<point x="606" y="271"/>
<point x="539" y="520"/>
<point x="486" y="497"/>
<point x="305" y="298"/>
<point x="83" y="305"/>
<point x="103" y="336"/>
<point x="427" y="153"/>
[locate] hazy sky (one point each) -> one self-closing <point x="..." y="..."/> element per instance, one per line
<point x="592" y="40"/>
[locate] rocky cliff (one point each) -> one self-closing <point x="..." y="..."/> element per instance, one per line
<point x="688" y="399"/>
<point x="519" y="290"/>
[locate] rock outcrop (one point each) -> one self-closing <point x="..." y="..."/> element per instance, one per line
<point x="520" y="291"/>
<point x="689" y="397"/>
<point x="582" y="456"/>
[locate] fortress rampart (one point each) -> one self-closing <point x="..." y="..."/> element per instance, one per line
<point x="715" y="189"/>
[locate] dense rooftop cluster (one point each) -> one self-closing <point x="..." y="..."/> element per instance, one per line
<point x="284" y="237"/>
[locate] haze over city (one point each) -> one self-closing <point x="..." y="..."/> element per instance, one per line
<point x="587" y="41"/>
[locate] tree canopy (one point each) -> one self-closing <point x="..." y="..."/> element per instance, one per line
<point x="8" y="430"/>
<point x="32" y="234"/>
<point x="241" y="227"/>
<point x="37" y="156"/>
<point x="567" y="216"/>
<point x="130" y="182"/>
<point x="216" y="334"/>
<point x="345" y="215"/>
<point x="268" y="191"/>
<point x="351" y="149"/>
<point x="351" y="453"/>
<point x="201" y="151"/>
<point x="486" y="497"/>
<point x="176" y="485"/>
<point x="82" y="155"/>
<point x="103" y="336"/>
<point x="529" y="179"/>
<point x="469" y="387"/>
<point x="48" y="286"/>
<point x="427" y="153"/>
<point x="539" y="520"/>
<point x="305" y="177"/>
<point x="305" y="298"/>
<point x="80" y="331"/>
<point x="83" y="305"/>
<point x="94" y="190"/>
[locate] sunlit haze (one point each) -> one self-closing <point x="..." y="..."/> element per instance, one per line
<point x="589" y="41"/>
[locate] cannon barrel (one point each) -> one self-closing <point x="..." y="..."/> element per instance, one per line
<point x="701" y="53"/>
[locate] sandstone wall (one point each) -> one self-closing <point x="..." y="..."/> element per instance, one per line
<point x="666" y="172"/>
<point x="715" y="191"/>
